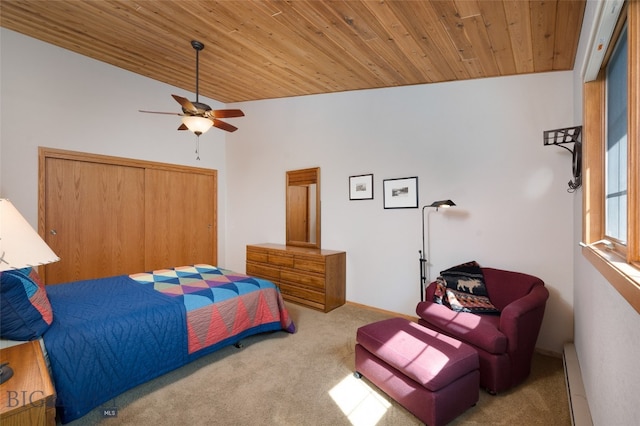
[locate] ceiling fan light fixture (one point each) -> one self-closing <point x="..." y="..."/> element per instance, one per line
<point x="197" y="125"/>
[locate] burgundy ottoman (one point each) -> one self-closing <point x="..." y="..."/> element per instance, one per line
<point x="433" y="376"/>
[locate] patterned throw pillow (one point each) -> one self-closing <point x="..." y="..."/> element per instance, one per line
<point x="25" y="311"/>
<point x="462" y="289"/>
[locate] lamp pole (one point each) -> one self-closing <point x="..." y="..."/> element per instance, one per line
<point x="423" y="258"/>
<point x="423" y="261"/>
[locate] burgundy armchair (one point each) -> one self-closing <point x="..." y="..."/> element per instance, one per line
<point x="505" y="342"/>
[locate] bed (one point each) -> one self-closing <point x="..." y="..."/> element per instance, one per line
<point x="105" y="336"/>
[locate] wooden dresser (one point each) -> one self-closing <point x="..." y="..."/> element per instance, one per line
<point x="308" y="276"/>
<point x="27" y="398"/>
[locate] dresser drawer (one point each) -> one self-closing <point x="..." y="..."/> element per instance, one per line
<point x="307" y="280"/>
<point x="302" y="293"/>
<point x="281" y="259"/>
<point x="257" y="255"/>
<point x="311" y="264"/>
<point x="262" y="271"/>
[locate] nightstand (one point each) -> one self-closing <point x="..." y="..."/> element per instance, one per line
<point x="27" y="398"/>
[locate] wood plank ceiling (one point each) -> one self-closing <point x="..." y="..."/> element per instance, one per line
<point x="273" y="49"/>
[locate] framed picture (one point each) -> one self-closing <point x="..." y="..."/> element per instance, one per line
<point x="400" y="193"/>
<point x="361" y="187"/>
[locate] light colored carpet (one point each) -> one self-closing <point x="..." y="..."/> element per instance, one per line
<point x="307" y="379"/>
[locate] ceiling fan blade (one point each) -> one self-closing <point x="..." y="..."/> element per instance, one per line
<point x="186" y="104"/>
<point x="160" y="112"/>
<point x="224" y="126"/>
<point x="183" y="127"/>
<point x="226" y="113"/>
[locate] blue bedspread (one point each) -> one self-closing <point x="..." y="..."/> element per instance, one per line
<point x="113" y="336"/>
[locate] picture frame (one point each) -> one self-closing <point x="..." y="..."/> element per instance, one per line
<point x="361" y="187"/>
<point x="400" y="193"/>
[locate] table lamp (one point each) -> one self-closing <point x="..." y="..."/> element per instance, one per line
<point x="20" y="247"/>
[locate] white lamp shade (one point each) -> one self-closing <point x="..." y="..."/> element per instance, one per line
<point x="20" y="244"/>
<point x="197" y="125"/>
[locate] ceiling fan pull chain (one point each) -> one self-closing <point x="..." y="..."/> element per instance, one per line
<point x="197" y="147"/>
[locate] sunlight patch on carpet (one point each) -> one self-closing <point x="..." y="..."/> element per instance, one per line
<point x="363" y="405"/>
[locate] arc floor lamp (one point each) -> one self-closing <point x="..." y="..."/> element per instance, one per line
<point x="423" y="259"/>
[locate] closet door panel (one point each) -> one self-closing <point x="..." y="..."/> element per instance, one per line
<point x="180" y="218"/>
<point x="94" y="219"/>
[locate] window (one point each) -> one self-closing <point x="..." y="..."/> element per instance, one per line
<point x="611" y="160"/>
<point x="616" y="152"/>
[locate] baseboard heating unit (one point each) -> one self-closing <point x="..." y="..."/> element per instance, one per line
<point x="578" y="405"/>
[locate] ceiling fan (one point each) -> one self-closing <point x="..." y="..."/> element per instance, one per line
<point x="199" y="117"/>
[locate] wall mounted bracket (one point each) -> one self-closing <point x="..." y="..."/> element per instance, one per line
<point x="573" y="135"/>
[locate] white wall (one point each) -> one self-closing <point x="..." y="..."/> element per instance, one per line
<point x="606" y="326"/>
<point x="478" y="143"/>
<point x="55" y="98"/>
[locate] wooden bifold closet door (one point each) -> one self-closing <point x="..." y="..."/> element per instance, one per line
<point x="107" y="216"/>
<point x="94" y="219"/>
<point x="179" y="218"/>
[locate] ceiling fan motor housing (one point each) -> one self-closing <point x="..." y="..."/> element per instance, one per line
<point x="202" y="108"/>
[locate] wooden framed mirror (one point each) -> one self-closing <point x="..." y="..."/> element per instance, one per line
<point x="303" y="207"/>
